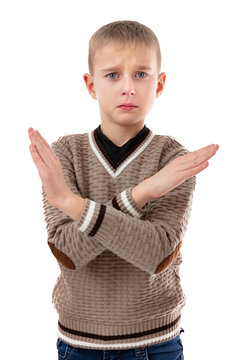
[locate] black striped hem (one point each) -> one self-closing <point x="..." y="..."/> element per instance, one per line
<point x="118" y="337"/>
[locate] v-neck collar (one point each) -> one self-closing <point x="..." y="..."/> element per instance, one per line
<point x="134" y="151"/>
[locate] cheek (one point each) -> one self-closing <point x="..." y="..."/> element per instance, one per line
<point x="149" y="98"/>
<point x="149" y="92"/>
<point x="108" y="90"/>
<point x="104" y="93"/>
<point x="108" y="99"/>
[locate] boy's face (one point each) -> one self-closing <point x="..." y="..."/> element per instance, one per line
<point x="125" y="81"/>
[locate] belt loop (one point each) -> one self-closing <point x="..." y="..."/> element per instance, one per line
<point x="138" y="350"/>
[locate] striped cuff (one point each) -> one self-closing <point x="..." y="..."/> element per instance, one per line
<point x="125" y="203"/>
<point x="93" y="218"/>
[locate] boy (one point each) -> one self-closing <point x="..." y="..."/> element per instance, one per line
<point x="117" y="201"/>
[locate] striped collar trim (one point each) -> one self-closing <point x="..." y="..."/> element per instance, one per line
<point x="102" y="156"/>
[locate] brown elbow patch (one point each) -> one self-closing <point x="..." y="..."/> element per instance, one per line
<point x="61" y="257"/>
<point x="168" y="260"/>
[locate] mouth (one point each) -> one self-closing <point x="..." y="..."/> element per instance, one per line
<point x="127" y="107"/>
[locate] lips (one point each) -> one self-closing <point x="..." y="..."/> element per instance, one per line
<point x="127" y="108"/>
<point x="129" y="105"/>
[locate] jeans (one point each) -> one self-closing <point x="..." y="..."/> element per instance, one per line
<point x="168" y="350"/>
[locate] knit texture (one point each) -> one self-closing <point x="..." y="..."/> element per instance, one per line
<point x="119" y="285"/>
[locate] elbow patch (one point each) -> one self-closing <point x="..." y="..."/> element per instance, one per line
<point x="168" y="260"/>
<point x="61" y="257"/>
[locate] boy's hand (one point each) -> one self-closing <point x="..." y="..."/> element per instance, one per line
<point x="178" y="170"/>
<point x="49" y="168"/>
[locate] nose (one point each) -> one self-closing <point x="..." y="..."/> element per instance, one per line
<point x="128" y="85"/>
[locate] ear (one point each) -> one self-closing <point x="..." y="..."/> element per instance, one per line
<point x="160" y="84"/>
<point x="90" y="84"/>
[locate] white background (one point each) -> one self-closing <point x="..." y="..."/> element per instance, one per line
<point x="44" y="53"/>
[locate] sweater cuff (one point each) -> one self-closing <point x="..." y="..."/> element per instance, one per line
<point x="126" y="203"/>
<point x="93" y="218"/>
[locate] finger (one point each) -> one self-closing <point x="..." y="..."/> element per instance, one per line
<point x="195" y="170"/>
<point x="207" y="148"/>
<point x="42" y="139"/>
<point x="50" y="150"/>
<point x="43" y="150"/>
<point x="204" y="156"/>
<point x="196" y="157"/>
<point x="207" y="155"/>
<point x="204" y="150"/>
<point x="36" y="157"/>
<point x="31" y="137"/>
<point x="36" y="136"/>
<point x="47" y="145"/>
<point x="39" y="149"/>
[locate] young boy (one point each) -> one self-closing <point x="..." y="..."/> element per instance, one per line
<point x="117" y="201"/>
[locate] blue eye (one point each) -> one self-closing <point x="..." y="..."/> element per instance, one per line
<point x="142" y="72"/>
<point x="110" y="74"/>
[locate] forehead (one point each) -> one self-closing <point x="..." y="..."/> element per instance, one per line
<point x="112" y="56"/>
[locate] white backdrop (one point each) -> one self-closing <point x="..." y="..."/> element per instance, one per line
<point x="44" y="52"/>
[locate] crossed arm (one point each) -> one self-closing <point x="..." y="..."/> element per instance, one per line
<point x="80" y="229"/>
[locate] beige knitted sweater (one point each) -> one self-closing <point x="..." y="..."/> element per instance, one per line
<point x="119" y="285"/>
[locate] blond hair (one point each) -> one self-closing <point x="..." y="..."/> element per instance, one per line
<point x="123" y="32"/>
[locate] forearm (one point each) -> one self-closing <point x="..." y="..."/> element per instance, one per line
<point x="73" y="205"/>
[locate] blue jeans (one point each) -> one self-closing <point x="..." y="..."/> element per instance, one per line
<point x="168" y="350"/>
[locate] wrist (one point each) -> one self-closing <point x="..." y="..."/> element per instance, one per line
<point x="72" y="205"/>
<point x="141" y="193"/>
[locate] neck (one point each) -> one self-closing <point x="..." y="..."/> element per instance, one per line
<point x="120" y="134"/>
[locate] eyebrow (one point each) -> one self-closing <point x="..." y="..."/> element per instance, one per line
<point x="142" y="67"/>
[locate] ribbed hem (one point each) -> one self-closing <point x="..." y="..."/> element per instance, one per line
<point x="102" y="336"/>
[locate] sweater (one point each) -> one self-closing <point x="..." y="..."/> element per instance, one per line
<point x="119" y="285"/>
